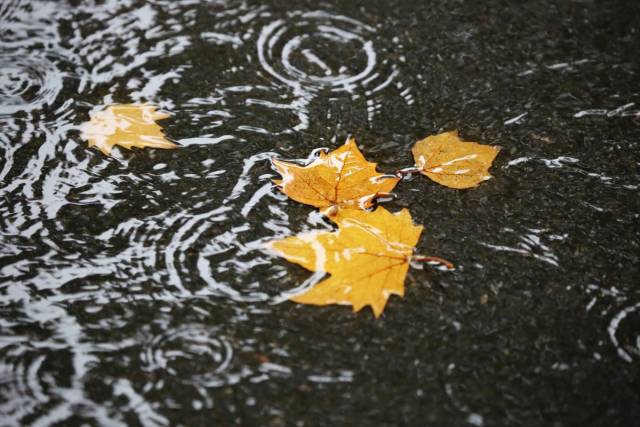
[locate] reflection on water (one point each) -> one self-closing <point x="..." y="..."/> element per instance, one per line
<point x="135" y="289"/>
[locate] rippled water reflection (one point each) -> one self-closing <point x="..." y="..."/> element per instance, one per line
<point x="136" y="290"/>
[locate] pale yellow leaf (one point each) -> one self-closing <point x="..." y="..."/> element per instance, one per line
<point x="367" y="258"/>
<point x="342" y="178"/>
<point x="449" y="161"/>
<point x="126" y="125"/>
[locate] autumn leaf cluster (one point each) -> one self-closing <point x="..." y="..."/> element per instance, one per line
<point x="368" y="256"/>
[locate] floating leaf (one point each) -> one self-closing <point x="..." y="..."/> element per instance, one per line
<point x="368" y="258"/>
<point x="126" y="125"/>
<point x="342" y="178"/>
<point x="449" y="161"/>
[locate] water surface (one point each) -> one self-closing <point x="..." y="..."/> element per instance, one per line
<point x="135" y="289"/>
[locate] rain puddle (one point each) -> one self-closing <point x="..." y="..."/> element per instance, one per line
<point x="135" y="288"/>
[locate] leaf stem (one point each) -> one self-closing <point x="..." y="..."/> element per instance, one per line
<point x="407" y="171"/>
<point x="434" y="260"/>
<point x="383" y="195"/>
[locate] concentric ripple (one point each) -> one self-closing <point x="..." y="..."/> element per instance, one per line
<point x="22" y="377"/>
<point x="192" y="354"/>
<point x="27" y="82"/>
<point x="313" y="52"/>
<point x="316" y="49"/>
<point x="623" y="332"/>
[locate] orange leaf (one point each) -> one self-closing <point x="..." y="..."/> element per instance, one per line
<point x="454" y="163"/>
<point x="340" y="179"/>
<point x="126" y="125"/>
<point x="368" y="258"/>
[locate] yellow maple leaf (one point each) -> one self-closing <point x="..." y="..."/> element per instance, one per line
<point x="368" y="258"/>
<point x="342" y="178"/>
<point x="126" y="125"/>
<point x="452" y="162"/>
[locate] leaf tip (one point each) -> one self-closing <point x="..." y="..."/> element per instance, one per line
<point x="377" y="311"/>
